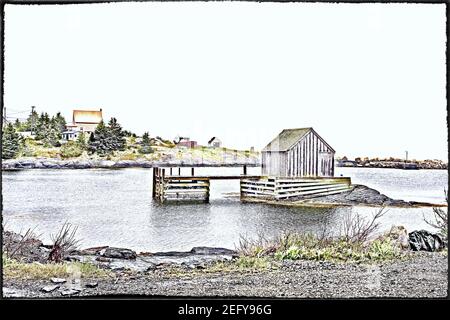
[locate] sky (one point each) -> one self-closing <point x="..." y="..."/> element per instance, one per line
<point x="369" y="78"/>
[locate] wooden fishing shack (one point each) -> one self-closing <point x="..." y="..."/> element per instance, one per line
<point x="298" y="153"/>
<point x="297" y="163"/>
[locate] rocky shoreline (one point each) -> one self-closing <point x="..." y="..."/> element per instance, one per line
<point x="192" y="274"/>
<point x="424" y="274"/>
<point x="51" y="163"/>
<point x="392" y="163"/>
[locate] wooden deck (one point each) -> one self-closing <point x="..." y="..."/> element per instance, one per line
<point x="197" y="188"/>
<point x="288" y="188"/>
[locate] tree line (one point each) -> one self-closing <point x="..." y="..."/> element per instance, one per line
<point x="106" y="138"/>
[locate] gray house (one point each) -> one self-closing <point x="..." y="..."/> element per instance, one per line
<point x="298" y="153"/>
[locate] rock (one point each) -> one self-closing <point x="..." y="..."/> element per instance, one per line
<point x="91" y="284"/>
<point x="51" y="165"/>
<point x="72" y="259"/>
<point x="69" y="292"/>
<point x="103" y="259"/>
<point x="212" y="251"/>
<point x="12" y="293"/>
<point x="82" y="164"/>
<point x="90" y="251"/>
<point x="50" y="288"/>
<point x="106" y="163"/>
<point x="118" y="253"/>
<point x="58" y="280"/>
<point x="398" y="236"/>
<point x="425" y="241"/>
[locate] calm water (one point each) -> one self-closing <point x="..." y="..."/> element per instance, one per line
<point x="114" y="207"/>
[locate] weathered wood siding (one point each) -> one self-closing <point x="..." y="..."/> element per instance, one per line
<point x="310" y="157"/>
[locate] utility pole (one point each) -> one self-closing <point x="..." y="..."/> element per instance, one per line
<point x="32" y="119"/>
<point x="4" y="116"/>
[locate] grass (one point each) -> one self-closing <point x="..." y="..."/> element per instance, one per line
<point x="14" y="269"/>
<point x="243" y="264"/>
<point x="312" y="247"/>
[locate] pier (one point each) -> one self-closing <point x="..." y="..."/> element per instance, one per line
<point x="297" y="164"/>
<point x="167" y="185"/>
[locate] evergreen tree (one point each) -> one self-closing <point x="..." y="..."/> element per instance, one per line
<point x="52" y="137"/>
<point x="60" y="122"/>
<point x="81" y="140"/>
<point x="42" y="126"/>
<point x="32" y="121"/>
<point x="48" y="131"/>
<point x="11" y="141"/>
<point x="146" y="139"/>
<point x="17" y="125"/>
<point x="100" y="141"/>
<point x="145" y="148"/>
<point x="116" y="135"/>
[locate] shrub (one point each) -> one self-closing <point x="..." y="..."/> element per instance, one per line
<point x="71" y="149"/>
<point x="146" y="150"/>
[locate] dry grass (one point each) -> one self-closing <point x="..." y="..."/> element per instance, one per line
<point x="63" y="242"/>
<point x="352" y="245"/>
<point x="440" y="219"/>
<point x="14" y="269"/>
<point x="358" y="229"/>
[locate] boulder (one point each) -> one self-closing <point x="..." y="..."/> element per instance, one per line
<point x="69" y="292"/>
<point x="118" y="253"/>
<point x="399" y="237"/>
<point x="57" y="280"/>
<point x="212" y="251"/>
<point x="425" y="241"/>
<point x="50" y="288"/>
<point x="50" y="165"/>
<point x="106" y="163"/>
<point x="82" y="164"/>
<point x="91" y="284"/>
<point x="90" y="251"/>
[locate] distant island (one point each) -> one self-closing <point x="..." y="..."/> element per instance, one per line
<point x="393" y="163"/>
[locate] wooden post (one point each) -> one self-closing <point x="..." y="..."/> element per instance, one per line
<point x="171" y="171"/>
<point x="207" y="191"/>
<point x="179" y="171"/>
<point x="154" y="183"/>
<point x="161" y="185"/>
<point x="192" y="171"/>
<point x="245" y="170"/>
<point x="240" y="189"/>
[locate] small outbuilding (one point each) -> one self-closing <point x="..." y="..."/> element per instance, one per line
<point x="214" y="142"/>
<point x="298" y="153"/>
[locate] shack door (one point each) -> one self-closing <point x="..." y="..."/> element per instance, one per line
<point x="325" y="164"/>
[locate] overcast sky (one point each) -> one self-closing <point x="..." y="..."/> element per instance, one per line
<point x="370" y="78"/>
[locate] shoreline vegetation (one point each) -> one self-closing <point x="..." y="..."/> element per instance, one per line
<point x="295" y="265"/>
<point x="391" y="163"/>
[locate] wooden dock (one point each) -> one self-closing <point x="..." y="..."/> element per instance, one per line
<point x="186" y="188"/>
<point x="168" y="186"/>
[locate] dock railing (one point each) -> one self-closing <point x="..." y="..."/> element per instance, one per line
<point x="282" y="188"/>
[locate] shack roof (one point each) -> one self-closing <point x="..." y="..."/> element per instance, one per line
<point x="87" y="116"/>
<point x="288" y="138"/>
